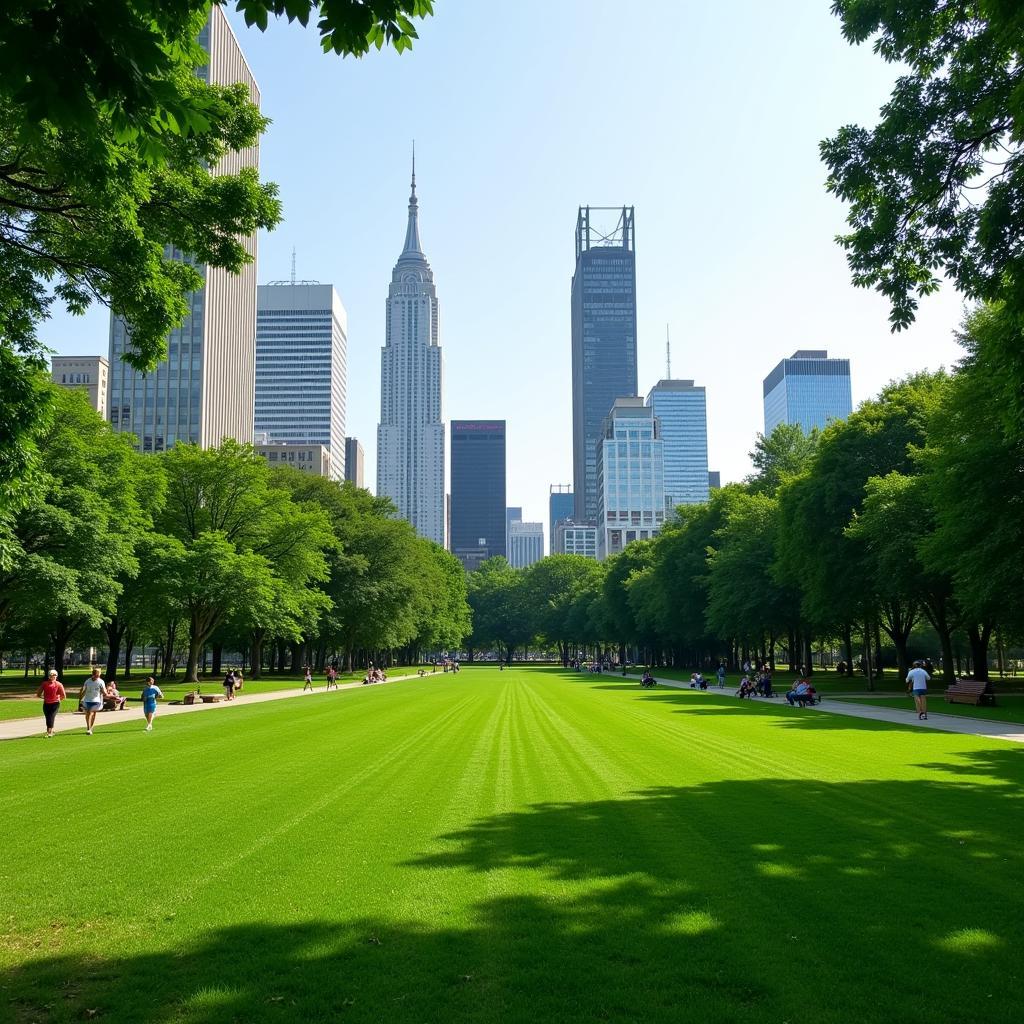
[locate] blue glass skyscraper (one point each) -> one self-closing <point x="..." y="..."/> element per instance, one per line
<point x="808" y="389"/>
<point x="681" y="408"/>
<point x="603" y="337"/>
<point x="561" y="505"/>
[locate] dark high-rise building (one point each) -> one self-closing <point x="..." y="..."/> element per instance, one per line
<point x="603" y="336"/>
<point x="354" y="461"/>
<point x="478" y="490"/>
<point x="561" y="505"/>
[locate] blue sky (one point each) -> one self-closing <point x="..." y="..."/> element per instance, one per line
<point x="704" y="116"/>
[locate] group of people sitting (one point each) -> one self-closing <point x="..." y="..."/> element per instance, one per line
<point x="375" y="675"/>
<point x="756" y="685"/>
<point x="648" y="680"/>
<point x="803" y="693"/>
<point x="698" y="682"/>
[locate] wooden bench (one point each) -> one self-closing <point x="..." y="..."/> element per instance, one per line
<point x="970" y="691"/>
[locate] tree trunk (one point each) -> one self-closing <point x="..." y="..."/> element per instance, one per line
<point x="129" y="644"/>
<point x="218" y="652"/>
<point x="808" y="654"/>
<point x="256" y="653"/>
<point x="848" y="647"/>
<point x="114" y="631"/>
<point x="978" y="637"/>
<point x="192" y="669"/>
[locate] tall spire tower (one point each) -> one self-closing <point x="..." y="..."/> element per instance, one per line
<point x="410" y="436"/>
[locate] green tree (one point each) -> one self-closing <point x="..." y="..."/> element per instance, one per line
<point x="937" y="187"/>
<point x="784" y="454"/>
<point x="553" y="586"/>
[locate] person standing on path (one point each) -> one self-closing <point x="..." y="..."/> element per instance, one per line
<point x="94" y="689"/>
<point x="917" y="683"/>
<point x="229" y="685"/>
<point x="52" y="692"/>
<point x="721" y="675"/>
<point x="307" y="679"/>
<point x="150" y="693"/>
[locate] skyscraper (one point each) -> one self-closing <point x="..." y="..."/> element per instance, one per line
<point x="513" y="514"/>
<point x="809" y="389"/>
<point x="603" y="336"/>
<point x="525" y="543"/>
<point x="631" y="489"/>
<point x="561" y="505"/>
<point x="681" y="409"/>
<point x="478" y="490"/>
<point x="354" y="461"/>
<point x="301" y="367"/>
<point x="410" y="436"/>
<point x="203" y="391"/>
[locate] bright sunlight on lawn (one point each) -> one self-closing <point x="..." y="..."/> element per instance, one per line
<point x="530" y="845"/>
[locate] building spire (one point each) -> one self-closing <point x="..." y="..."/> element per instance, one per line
<point x="668" y="355"/>
<point x="412" y="231"/>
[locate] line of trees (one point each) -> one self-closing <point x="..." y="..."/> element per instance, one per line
<point x="907" y="516"/>
<point x="197" y="552"/>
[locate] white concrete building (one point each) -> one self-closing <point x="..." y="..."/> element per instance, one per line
<point x="410" y="436"/>
<point x="310" y="458"/>
<point x="83" y="373"/>
<point x="525" y="543"/>
<point x="630" y="483"/>
<point x="301" y="372"/>
<point x="572" y="538"/>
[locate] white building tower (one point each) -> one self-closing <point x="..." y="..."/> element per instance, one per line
<point x="410" y="436"/>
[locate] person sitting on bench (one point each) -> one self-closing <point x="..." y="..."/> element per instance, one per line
<point x="113" y="700"/>
<point x="798" y="694"/>
<point x="746" y="687"/>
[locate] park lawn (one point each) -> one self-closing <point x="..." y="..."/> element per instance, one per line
<point x="782" y="679"/>
<point x="1010" y="707"/>
<point x="13" y="703"/>
<point x="522" y="846"/>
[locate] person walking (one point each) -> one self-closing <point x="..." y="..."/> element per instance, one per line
<point x="94" y="689"/>
<point x="51" y="689"/>
<point x="150" y="693"/>
<point x="917" y="684"/>
<point x="307" y="679"/>
<point x="229" y="685"/>
<point x="721" y="675"/>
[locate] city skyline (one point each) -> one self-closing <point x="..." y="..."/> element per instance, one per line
<point x="742" y="281"/>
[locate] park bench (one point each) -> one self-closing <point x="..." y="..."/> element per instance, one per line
<point x="970" y="691"/>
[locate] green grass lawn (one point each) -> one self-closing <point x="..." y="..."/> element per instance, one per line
<point x="1010" y="707"/>
<point x="522" y="846"/>
<point x="15" y="701"/>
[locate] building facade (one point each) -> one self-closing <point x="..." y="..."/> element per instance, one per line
<point x="410" y="436"/>
<point x="631" y="485"/>
<point x="203" y="391"/>
<point x="478" y="525"/>
<point x="603" y="337"/>
<point x="354" y="460"/>
<point x="682" y="414"/>
<point x="714" y="480"/>
<point x="561" y="505"/>
<point x="310" y="458"/>
<point x="513" y="514"/>
<point x="301" y="368"/>
<point x="572" y="538"/>
<point x="89" y="374"/>
<point x="808" y="389"/>
<point x="525" y="543"/>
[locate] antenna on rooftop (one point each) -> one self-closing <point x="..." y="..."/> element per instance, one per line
<point x="293" y="264"/>
<point x="668" y="356"/>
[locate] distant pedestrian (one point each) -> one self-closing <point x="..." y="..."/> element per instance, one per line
<point x="52" y="692"/>
<point x="721" y="675"/>
<point x="94" y="689"/>
<point x="150" y="693"/>
<point x="229" y="685"/>
<point x="917" y="684"/>
<point x="332" y="677"/>
<point x="307" y="679"/>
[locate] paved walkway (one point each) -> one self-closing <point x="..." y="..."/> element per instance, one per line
<point x="1009" y="731"/>
<point x="68" y="721"/>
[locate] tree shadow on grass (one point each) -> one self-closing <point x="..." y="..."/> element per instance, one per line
<point x="740" y="901"/>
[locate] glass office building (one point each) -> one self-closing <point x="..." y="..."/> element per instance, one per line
<point x="300" y="367"/>
<point x="630" y="485"/>
<point x="603" y="337"/>
<point x="525" y="543"/>
<point x="809" y="389"/>
<point x="478" y="491"/>
<point x="682" y="413"/>
<point x="561" y="505"/>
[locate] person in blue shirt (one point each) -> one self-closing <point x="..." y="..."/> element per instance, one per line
<point x="150" y="693"/>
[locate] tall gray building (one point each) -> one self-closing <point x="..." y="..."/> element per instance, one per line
<point x="354" y="461"/>
<point x="681" y="409"/>
<point x="203" y="391"/>
<point x="603" y="337"/>
<point x="301" y="367"/>
<point x="410" y="436"/>
<point x="810" y="389"/>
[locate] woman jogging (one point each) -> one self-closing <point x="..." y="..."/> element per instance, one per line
<point x="94" y="689"/>
<point x="52" y="692"/>
<point x="150" y="693"/>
